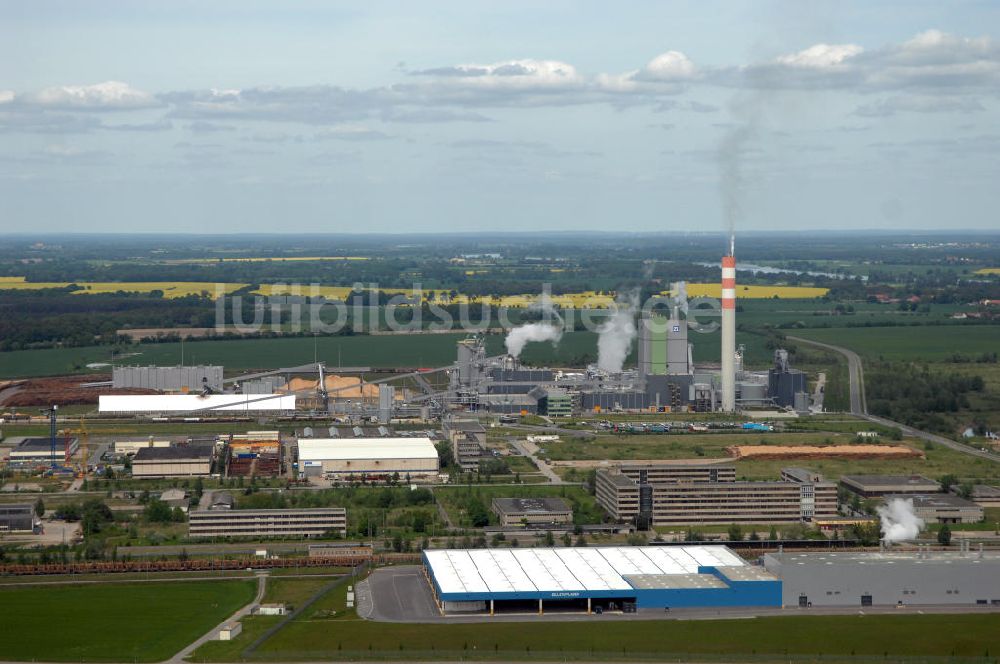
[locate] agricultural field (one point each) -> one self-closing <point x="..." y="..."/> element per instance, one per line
<point x="989" y="271"/>
<point x="939" y="460"/>
<point x="113" y="622"/>
<point x="757" y="292"/>
<point x="925" y="343"/>
<point x="170" y="289"/>
<point x="405" y="350"/>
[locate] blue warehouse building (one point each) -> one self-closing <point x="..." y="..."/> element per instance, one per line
<point x="596" y="578"/>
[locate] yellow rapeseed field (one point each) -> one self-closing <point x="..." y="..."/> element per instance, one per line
<point x="755" y="292"/>
<point x="581" y="300"/>
<point x="171" y="289"/>
<point x="989" y="270"/>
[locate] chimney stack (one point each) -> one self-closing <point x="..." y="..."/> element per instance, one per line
<point x="729" y="329"/>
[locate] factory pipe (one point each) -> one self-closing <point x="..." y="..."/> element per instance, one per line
<point x="729" y="329"/>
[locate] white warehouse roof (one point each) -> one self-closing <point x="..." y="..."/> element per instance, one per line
<point x="566" y="569"/>
<point x="350" y="449"/>
<point x="184" y="403"/>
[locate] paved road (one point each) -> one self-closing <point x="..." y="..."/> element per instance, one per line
<point x="543" y="466"/>
<point x="180" y="657"/>
<point x="859" y="405"/>
<point x="855" y="371"/>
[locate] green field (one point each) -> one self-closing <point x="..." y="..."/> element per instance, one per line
<point x="924" y="343"/>
<point x="807" y="637"/>
<point x="413" y="350"/>
<point x="939" y="460"/>
<point x="144" y="622"/>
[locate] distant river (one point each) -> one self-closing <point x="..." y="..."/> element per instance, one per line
<point x="767" y="269"/>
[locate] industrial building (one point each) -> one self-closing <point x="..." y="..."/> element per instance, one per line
<point x="367" y="457"/>
<point x="17" y="517"/>
<point x="985" y="495"/>
<point x="181" y="461"/>
<point x="590" y="579"/>
<point x="888" y="578"/>
<point x="674" y="494"/>
<point x="132" y="404"/>
<point x="255" y="453"/>
<point x="130" y="447"/>
<point x="944" y="508"/>
<point x="468" y="441"/>
<point x="168" y="379"/>
<point x="529" y="512"/>
<point x="877" y="486"/>
<point x="42" y="449"/>
<point x="309" y="522"/>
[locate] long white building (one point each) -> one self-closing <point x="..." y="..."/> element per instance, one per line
<point x="194" y="404"/>
<point x="416" y="457"/>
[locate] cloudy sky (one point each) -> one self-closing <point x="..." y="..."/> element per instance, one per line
<point x="406" y="116"/>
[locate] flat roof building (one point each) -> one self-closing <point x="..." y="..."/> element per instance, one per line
<point x="885" y="579"/>
<point x="180" y="461"/>
<point x="944" y="508"/>
<point x="662" y="501"/>
<point x="584" y="578"/>
<point x="985" y="495"/>
<point x="40" y="449"/>
<point x="346" y="457"/>
<point x="532" y="511"/>
<point x="876" y="486"/>
<point x="17" y="517"/>
<point x="309" y="522"/>
<point x="194" y="403"/>
<point x="468" y="441"/>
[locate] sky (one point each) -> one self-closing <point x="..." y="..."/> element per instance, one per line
<point x="400" y="117"/>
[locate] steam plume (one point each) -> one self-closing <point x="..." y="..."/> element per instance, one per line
<point x="519" y="336"/>
<point x="615" y="337"/>
<point x="899" y="520"/>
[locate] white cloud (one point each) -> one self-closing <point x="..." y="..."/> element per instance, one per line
<point x="670" y="66"/>
<point x="821" y="55"/>
<point x="110" y="95"/>
<point x="6" y="96"/>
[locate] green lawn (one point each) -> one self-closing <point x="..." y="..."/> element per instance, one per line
<point x="145" y="622"/>
<point x="869" y="636"/>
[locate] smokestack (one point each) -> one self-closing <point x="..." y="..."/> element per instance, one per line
<point x="729" y="328"/>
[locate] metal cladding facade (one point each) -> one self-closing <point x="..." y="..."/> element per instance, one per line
<point x="651" y="576"/>
<point x="729" y="333"/>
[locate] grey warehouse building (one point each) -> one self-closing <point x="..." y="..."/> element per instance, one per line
<point x="876" y="486"/>
<point x="181" y="461"/>
<point x="532" y="511"/>
<point x="17" y="517"/>
<point x="168" y="379"/>
<point x="885" y="579"/>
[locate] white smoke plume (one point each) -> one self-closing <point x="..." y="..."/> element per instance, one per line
<point x="615" y="336"/>
<point x="519" y="336"/>
<point x="899" y="520"/>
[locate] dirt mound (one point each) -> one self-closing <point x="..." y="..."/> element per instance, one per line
<point x="61" y="390"/>
<point x="823" y="452"/>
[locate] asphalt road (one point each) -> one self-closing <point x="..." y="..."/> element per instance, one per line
<point x="855" y="371"/>
<point x="859" y="405"/>
<point x="542" y="466"/>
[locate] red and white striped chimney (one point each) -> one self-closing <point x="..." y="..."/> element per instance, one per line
<point x="729" y="330"/>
